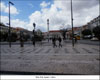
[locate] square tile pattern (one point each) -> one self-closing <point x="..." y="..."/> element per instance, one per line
<point x="82" y="59"/>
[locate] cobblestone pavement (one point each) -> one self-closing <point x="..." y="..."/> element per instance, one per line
<point x="82" y="59"/>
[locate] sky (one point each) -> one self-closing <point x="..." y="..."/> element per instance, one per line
<point x="26" y="12"/>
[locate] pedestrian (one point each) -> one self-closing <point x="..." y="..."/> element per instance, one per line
<point x="75" y="40"/>
<point x="54" y="42"/>
<point x="59" y="39"/>
<point x="33" y="41"/>
<point x="21" y="39"/>
<point x="21" y="42"/>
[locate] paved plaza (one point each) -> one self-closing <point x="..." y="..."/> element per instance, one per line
<point x="82" y="59"/>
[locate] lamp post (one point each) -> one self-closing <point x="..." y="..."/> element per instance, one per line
<point x="48" y="28"/>
<point x="33" y="38"/>
<point x="99" y="25"/>
<point x="72" y="25"/>
<point x="34" y="29"/>
<point x="9" y="25"/>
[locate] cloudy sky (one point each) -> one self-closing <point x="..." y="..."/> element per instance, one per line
<point x="26" y="12"/>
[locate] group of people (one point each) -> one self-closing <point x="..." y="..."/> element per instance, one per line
<point x="54" y="39"/>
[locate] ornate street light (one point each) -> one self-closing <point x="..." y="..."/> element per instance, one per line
<point x="33" y="38"/>
<point x="34" y="25"/>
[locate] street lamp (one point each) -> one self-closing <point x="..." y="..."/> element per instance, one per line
<point x="34" y="29"/>
<point x="99" y="25"/>
<point x="72" y="25"/>
<point x="9" y="25"/>
<point x="33" y="38"/>
<point x="48" y="28"/>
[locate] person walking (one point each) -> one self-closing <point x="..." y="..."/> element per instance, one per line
<point x="33" y="41"/>
<point x="75" y="40"/>
<point x="54" y="42"/>
<point x="59" y="39"/>
<point x="21" y="39"/>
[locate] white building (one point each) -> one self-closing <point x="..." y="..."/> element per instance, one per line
<point x="52" y="33"/>
<point x="93" y="23"/>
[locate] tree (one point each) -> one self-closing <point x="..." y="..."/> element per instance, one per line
<point x="1" y="36"/>
<point x="5" y="36"/>
<point x="38" y="35"/>
<point x="2" y="24"/>
<point x="39" y="32"/>
<point x="96" y="32"/>
<point x="86" y="32"/>
<point x="63" y="32"/>
<point x="26" y="36"/>
<point x="13" y="36"/>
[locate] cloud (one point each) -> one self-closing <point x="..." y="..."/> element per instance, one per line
<point x="5" y="8"/>
<point x="14" y="22"/>
<point x="78" y="5"/>
<point x="19" y="23"/>
<point x="59" y="14"/>
<point x="44" y="4"/>
<point x="4" y="19"/>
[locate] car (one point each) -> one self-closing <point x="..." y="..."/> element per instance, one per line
<point x="94" y="39"/>
<point x="87" y="37"/>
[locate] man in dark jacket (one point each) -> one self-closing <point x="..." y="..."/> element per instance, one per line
<point x="54" y="42"/>
<point x="59" y="39"/>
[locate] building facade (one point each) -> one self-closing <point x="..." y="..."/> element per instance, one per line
<point x="5" y="30"/>
<point x="77" y="32"/>
<point x="93" y="23"/>
<point x="52" y="33"/>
